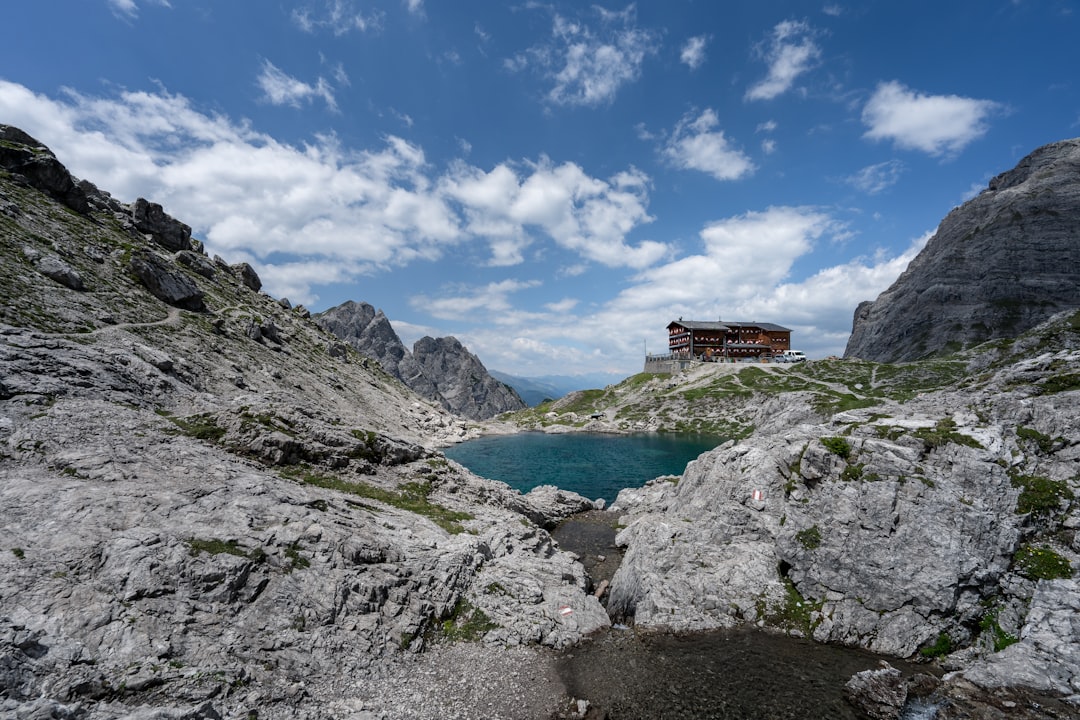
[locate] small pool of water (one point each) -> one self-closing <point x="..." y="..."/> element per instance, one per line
<point x="591" y="464"/>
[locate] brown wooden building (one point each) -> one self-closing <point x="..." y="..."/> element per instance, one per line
<point x="695" y="339"/>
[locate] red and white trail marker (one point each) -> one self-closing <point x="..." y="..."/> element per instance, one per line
<point x="757" y="495"/>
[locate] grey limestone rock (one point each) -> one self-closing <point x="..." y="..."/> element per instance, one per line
<point x="56" y="269"/>
<point x="248" y="276"/>
<point x="195" y="525"/>
<point x="879" y="693"/>
<point x="150" y="218"/>
<point x="165" y="282"/>
<point x="441" y="369"/>
<point x="462" y="380"/>
<point x="28" y="158"/>
<point x="998" y="265"/>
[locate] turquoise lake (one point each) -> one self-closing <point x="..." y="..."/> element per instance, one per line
<point x="590" y="464"/>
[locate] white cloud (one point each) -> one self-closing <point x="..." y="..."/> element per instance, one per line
<point x="790" y="52"/>
<point x="821" y="308"/>
<point x="296" y="210"/>
<point x="590" y="216"/>
<point x="693" y="52"/>
<point x="768" y="146"/>
<point x="490" y="300"/>
<point x="696" y="144"/>
<point x="877" y="178"/>
<point x="129" y="9"/>
<point x="833" y="10"/>
<point x="337" y="16"/>
<point x="280" y="88"/>
<point x="587" y="65"/>
<point x="415" y="7"/>
<point x="934" y="124"/>
<point x="768" y="126"/>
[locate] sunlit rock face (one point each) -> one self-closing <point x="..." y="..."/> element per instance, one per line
<point x="998" y="265"/>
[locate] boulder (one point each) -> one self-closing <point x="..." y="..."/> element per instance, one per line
<point x="56" y="269"/>
<point x="150" y="218"/>
<point x="880" y="693"/>
<point x="248" y="276"/>
<point x="166" y="282"/>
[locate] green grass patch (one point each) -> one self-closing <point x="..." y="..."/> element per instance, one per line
<point x="837" y="446"/>
<point x="1045" y="443"/>
<point x="1060" y="383"/>
<point x="201" y="427"/>
<point x="943" y="433"/>
<point x="1041" y="563"/>
<point x="999" y="639"/>
<point x="213" y="546"/>
<point x="1040" y="496"/>
<point x="793" y="613"/>
<point x="467" y="623"/>
<point x="810" y="538"/>
<point x="942" y="646"/>
<point x="412" y="496"/>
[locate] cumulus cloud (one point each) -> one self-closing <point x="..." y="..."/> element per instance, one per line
<point x="588" y="215"/>
<point x="336" y="16"/>
<point x="874" y="179"/>
<point x="588" y="65"/>
<point x="693" y="52"/>
<point x="280" y="88"/>
<point x="790" y="52"/>
<point x="935" y="124"/>
<point x="297" y="210"/>
<point x="697" y="144"/>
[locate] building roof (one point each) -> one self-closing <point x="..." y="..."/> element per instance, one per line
<point x="709" y="325"/>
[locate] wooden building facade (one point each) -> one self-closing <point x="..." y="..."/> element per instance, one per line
<point x="719" y="341"/>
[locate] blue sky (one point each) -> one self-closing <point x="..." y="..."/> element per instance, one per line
<point x="552" y="183"/>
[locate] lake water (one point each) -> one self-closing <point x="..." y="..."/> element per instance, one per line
<point x="591" y="464"/>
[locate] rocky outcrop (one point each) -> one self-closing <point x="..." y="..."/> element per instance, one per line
<point x="212" y="507"/>
<point x="441" y="369"/>
<point x="925" y="522"/>
<point x="998" y="265"/>
<point x="462" y="380"/>
<point x="31" y="162"/>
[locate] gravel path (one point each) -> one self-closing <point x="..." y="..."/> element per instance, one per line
<point x="462" y="681"/>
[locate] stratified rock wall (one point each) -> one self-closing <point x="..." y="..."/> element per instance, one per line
<point x="998" y="265"/>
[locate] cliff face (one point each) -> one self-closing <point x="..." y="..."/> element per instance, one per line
<point x="439" y="369"/>
<point x="211" y="507"/>
<point x="998" y="265"/>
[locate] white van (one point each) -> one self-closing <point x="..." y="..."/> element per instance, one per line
<point x="790" y="356"/>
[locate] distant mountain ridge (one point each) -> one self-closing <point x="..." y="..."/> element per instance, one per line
<point x="535" y="390"/>
<point x="998" y="265"/>
<point x="441" y="369"/>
